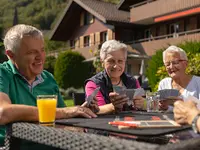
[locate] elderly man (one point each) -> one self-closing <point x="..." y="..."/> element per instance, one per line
<point x="22" y="78"/>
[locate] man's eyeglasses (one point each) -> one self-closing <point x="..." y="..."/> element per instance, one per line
<point x="174" y="62"/>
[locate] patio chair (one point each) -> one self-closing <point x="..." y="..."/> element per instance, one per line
<point x="79" y="98"/>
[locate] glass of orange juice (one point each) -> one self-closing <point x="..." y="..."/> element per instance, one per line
<point x="47" y="109"/>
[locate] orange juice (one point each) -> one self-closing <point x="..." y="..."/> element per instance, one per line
<point x="46" y="109"/>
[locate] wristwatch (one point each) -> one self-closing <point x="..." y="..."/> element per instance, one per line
<point x="194" y="123"/>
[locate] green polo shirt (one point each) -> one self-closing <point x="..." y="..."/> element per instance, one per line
<point x="20" y="92"/>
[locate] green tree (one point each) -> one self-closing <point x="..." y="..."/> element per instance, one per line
<point x="70" y="71"/>
<point x="53" y="45"/>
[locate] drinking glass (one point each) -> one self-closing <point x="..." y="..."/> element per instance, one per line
<point x="47" y="109"/>
<point x="152" y="102"/>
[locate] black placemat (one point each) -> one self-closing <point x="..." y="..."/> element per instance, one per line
<point x="101" y="123"/>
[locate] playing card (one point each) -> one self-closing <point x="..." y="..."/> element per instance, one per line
<point x="167" y="94"/>
<point x="139" y="92"/>
<point x="90" y="97"/>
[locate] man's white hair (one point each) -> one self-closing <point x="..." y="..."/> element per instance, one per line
<point x="15" y="34"/>
<point x="175" y="49"/>
<point x="110" y="46"/>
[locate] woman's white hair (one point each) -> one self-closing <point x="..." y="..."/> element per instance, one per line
<point x="175" y="49"/>
<point x="110" y="46"/>
<point x="15" y="34"/>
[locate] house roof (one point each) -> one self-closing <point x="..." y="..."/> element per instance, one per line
<point x="104" y="11"/>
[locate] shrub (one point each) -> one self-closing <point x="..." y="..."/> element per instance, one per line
<point x="67" y="94"/>
<point x="97" y="62"/>
<point x="50" y="64"/>
<point x="153" y="65"/>
<point x="70" y="71"/>
<point x="194" y="64"/>
<point x="3" y="57"/>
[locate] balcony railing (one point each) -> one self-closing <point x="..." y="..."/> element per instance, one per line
<point x="145" y="12"/>
<point x="174" y="35"/>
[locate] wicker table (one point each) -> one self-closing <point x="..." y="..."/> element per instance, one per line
<point x="65" y="139"/>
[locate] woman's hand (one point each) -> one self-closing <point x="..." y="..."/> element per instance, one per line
<point x="164" y="104"/>
<point x="184" y="112"/>
<point x="93" y="105"/>
<point x="118" y="101"/>
<point x="138" y="102"/>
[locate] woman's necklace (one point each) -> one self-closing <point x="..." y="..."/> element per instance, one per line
<point x="118" y="82"/>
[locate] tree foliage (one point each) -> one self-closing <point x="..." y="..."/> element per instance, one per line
<point x="50" y="64"/>
<point x="70" y="71"/>
<point x="53" y="45"/>
<point x="153" y="65"/>
<point x="39" y="13"/>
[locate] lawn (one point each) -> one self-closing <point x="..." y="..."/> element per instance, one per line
<point x="69" y="102"/>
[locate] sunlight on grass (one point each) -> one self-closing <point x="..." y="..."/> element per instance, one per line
<point x="69" y="102"/>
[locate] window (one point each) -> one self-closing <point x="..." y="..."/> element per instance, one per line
<point x="147" y="33"/>
<point x="198" y="22"/>
<point x="86" y="18"/>
<point x="103" y="37"/>
<point x="157" y="31"/>
<point x="86" y="41"/>
<point x="186" y="24"/>
<point x="174" y="28"/>
<point x="72" y="43"/>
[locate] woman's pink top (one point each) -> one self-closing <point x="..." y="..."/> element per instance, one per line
<point x="91" y="86"/>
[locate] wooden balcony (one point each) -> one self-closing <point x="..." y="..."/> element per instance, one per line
<point x="150" y="45"/>
<point x="147" y="11"/>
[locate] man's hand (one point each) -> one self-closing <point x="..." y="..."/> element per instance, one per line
<point x="184" y="112"/>
<point x="75" y="111"/>
<point x="93" y="105"/>
<point x="118" y="101"/>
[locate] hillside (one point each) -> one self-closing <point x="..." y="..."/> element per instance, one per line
<point x="40" y="13"/>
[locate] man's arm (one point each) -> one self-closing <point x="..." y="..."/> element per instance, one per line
<point x="16" y="112"/>
<point x="13" y="112"/>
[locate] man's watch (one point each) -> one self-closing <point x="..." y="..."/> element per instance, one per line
<point x="194" y="123"/>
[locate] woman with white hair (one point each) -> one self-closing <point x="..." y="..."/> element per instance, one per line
<point x="176" y="62"/>
<point x="113" y="56"/>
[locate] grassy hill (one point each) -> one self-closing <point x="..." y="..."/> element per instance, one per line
<point x="39" y="13"/>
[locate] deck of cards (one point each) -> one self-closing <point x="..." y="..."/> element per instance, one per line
<point x="167" y="94"/>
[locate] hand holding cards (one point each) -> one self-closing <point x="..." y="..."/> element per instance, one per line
<point x="91" y="97"/>
<point x="130" y="93"/>
<point x="169" y="96"/>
